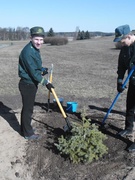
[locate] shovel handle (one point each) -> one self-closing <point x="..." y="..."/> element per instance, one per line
<point x="50" y="79"/>
<point x="59" y="104"/>
<point x="117" y="96"/>
<point x="50" y="82"/>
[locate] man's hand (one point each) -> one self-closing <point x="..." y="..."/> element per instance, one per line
<point x="119" y="87"/>
<point x="49" y="86"/>
<point x="44" y="71"/>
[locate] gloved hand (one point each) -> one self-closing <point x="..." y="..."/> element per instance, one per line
<point x="49" y="86"/>
<point x="119" y="87"/>
<point x="44" y="71"/>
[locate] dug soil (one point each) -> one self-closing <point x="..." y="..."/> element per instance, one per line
<point x="84" y="72"/>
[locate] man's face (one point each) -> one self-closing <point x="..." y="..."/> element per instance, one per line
<point x="37" y="41"/>
<point x="126" y="41"/>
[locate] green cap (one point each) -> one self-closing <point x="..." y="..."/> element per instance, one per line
<point x="38" y="31"/>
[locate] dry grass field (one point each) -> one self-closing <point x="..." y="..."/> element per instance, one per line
<point x="85" y="72"/>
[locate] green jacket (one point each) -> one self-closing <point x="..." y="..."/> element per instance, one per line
<point x="30" y="64"/>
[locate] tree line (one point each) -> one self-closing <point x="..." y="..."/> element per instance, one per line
<point x="20" y="33"/>
<point x="23" y="33"/>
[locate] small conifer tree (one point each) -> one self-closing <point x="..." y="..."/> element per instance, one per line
<point x="84" y="144"/>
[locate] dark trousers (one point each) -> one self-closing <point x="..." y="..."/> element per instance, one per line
<point x="28" y="93"/>
<point x="130" y="107"/>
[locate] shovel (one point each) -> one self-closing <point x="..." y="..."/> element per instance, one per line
<point x="68" y="127"/>
<point x="48" y="105"/>
<point x="117" y="96"/>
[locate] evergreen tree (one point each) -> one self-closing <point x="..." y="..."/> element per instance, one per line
<point x="87" y="35"/>
<point x="50" y="33"/>
<point x="79" y="35"/>
<point x="82" y="35"/>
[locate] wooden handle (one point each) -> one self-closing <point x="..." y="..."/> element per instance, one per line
<point x="50" y="78"/>
<point x="59" y="104"/>
<point x="50" y="82"/>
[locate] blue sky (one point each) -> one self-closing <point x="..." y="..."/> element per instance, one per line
<point x="66" y="15"/>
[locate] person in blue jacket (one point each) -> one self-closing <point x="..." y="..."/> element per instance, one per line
<point x="31" y="73"/>
<point x="126" y="61"/>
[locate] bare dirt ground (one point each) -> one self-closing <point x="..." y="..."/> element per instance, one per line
<point x="85" y="72"/>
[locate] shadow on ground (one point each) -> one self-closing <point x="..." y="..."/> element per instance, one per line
<point x="9" y="115"/>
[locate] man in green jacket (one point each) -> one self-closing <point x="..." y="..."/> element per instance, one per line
<point x="30" y="73"/>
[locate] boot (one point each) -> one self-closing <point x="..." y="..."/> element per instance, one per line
<point x="132" y="148"/>
<point x="125" y="132"/>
